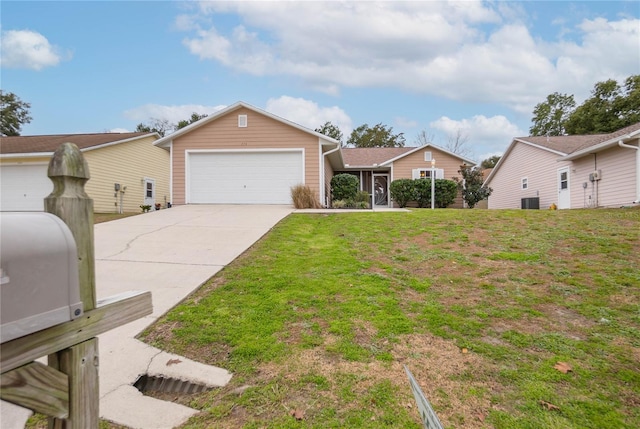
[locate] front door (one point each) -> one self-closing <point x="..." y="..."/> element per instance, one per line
<point x="564" y="196"/>
<point x="381" y="190"/>
<point x="149" y="193"/>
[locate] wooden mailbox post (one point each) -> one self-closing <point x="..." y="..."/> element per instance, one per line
<point x="67" y="390"/>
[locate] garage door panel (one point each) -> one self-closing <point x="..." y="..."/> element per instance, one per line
<point x="244" y="178"/>
<point x="24" y="187"/>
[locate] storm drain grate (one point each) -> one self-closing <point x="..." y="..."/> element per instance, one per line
<point x="149" y="383"/>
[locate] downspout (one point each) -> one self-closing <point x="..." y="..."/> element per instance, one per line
<point x="324" y="178"/>
<point x="637" y="148"/>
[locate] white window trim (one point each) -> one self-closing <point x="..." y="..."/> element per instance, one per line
<point x="427" y="156"/>
<point x="242" y="121"/>
<point x="416" y="173"/>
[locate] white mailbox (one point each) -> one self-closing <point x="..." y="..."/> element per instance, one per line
<point x="38" y="273"/>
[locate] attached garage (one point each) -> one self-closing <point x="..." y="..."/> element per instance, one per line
<point x="243" y="176"/>
<point x="24" y="187"/>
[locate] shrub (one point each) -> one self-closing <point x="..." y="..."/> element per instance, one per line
<point x="339" y="204"/>
<point x="304" y="198"/>
<point x="344" y="186"/>
<point x="402" y="191"/>
<point x="422" y="192"/>
<point x="446" y="191"/>
<point x="362" y="196"/>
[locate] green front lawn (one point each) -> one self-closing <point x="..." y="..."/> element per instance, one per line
<point x="321" y="315"/>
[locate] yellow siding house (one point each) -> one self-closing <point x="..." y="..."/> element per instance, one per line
<point x="127" y="171"/>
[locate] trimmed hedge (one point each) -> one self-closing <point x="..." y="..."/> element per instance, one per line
<point x="419" y="190"/>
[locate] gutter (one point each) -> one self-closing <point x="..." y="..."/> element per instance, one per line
<point x="324" y="159"/>
<point x="637" y="149"/>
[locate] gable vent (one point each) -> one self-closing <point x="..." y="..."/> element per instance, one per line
<point x="427" y="156"/>
<point x="242" y="121"/>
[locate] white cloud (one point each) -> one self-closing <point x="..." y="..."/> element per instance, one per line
<point x="308" y="114"/>
<point x="25" y="49"/>
<point x="470" y="51"/>
<point x="486" y="135"/>
<point x="173" y="114"/>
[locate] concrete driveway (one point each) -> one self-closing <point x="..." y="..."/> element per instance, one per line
<point x="170" y="253"/>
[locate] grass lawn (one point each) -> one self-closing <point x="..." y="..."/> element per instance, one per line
<point x="106" y="217"/>
<point x="320" y="316"/>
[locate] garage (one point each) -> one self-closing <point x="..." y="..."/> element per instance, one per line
<point x="24" y="187"/>
<point x="243" y="177"/>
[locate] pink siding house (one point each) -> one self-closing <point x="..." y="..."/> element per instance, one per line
<point x="245" y="155"/>
<point x="600" y="170"/>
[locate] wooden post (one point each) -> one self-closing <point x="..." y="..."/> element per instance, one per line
<point x="69" y="172"/>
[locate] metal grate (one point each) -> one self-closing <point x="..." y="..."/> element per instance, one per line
<point x="148" y="383"/>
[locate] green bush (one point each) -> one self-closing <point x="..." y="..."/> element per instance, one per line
<point x="344" y="187"/>
<point x="339" y="204"/>
<point x="362" y="196"/>
<point x="422" y="192"/>
<point x="446" y="191"/>
<point x="304" y="198"/>
<point x="402" y="191"/>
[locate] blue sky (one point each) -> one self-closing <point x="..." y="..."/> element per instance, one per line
<point x="468" y="68"/>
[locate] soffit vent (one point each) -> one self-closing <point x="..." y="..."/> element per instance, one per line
<point x="242" y="121"/>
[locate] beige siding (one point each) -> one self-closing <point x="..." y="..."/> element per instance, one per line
<point x="403" y="168"/>
<point x="539" y="166"/>
<point x="262" y="132"/>
<point x="127" y="164"/>
<point x="617" y="186"/>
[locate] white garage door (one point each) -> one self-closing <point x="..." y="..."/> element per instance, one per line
<point x="243" y="177"/>
<point x="24" y="187"/>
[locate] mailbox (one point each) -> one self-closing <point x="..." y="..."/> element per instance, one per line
<point x="39" y="285"/>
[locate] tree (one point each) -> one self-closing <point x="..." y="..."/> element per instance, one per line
<point x="423" y="139"/>
<point x="611" y="106"/>
<point x="330" y="130"/>
<point x="490" y="162"/>
<point x="471" y="185"/>
<point x="160" y="126"/>
<point x="13" y="114"/>
<point x="550" y="116"/>
<point x="378" y="136"/>
<point x="195" y="117"/>
<point x="457" y="144"/>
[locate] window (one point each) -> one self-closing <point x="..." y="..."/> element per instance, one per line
<point x="425" y="174"/>
<point x="427" y="156"/>
<point x="242" y="121"/>
<point x="564" y="180"/>
<point x="525" y="183"/>
<point x="149" y="191"/>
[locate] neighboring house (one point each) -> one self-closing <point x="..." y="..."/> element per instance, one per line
<point x="245" y="155"/>
<point x="600" y="170"/>
<point x="126" y="170"/>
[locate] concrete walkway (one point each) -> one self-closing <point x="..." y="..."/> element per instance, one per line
<point x="170" y="253"/>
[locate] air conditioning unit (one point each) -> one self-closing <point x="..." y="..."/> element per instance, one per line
<point x="597" y="175"/>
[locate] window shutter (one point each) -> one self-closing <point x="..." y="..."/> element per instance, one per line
<point x="415" y="173"/>
<point x="439" y="173"/>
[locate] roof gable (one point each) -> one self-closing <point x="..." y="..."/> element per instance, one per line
<point x="166" y="140"/>
<point x="381" y="156"/>
<point x="49" y="143"/>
